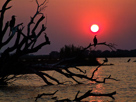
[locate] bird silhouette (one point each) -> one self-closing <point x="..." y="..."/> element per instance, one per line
<point x="12" y="23"/>
<point x="46" y="38"/>
<point x="106" y="59"/>
<point x="95" y="41"/>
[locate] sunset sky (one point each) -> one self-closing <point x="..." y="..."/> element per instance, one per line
<point x="69" y="21"/>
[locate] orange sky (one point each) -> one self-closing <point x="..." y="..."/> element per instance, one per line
<point x="68" y="21"/>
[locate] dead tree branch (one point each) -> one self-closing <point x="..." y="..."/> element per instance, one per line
<point x="24" y="43"/>
<point x="88" y="93"/>
<point x="45" y="94"/>
<point x="77" y="99"/>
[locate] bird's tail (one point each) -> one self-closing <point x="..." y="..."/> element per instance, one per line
<point x="94" y="45"/>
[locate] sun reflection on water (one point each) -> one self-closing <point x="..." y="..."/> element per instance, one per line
<point x="98" y="88"/>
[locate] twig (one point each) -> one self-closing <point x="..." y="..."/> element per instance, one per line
<point x="44" y="94"/>
<point x="80" y="70"/>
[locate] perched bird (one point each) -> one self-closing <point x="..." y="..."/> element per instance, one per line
<point x="95" y="41"/>
<point x="106" y="60"/>
<point x="46" y="38"/>
<point x="12" y="23"/>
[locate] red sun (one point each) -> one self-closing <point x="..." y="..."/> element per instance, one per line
<point x="94" y="28"/>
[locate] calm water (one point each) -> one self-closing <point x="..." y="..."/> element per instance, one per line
<point x="26" y="88"/>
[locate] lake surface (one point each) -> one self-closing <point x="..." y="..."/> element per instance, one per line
<point x="27" y="87"/>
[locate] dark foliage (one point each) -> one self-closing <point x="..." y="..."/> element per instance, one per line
<point x="82" y="58"/>
<point x="117" y="53"/>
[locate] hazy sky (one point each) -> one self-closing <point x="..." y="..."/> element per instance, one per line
<point x="69" y="21"/>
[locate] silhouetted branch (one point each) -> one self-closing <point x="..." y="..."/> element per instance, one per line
<point x="96" y="70"/>
<point x="13" y="33"/>
<point x="38" y="22"/>
<point x="32" y="18"/>
<point x="35" y="39"/>
<point x="51" y="78"/>
<point x="2" y="34"/>
<point x="45" y="94"/>
<point x="39" y="8"/>
<point x="6" y="8"/>
<point x="71" y="75"/>
<point x="88" y="93"/>
<point x="80" y="70"/>
<point x="110" y="78"/>
<point x="2" y="14"/>
<point x="37" y="48"/>
<point x="24" y="43"/>
<point x="110" y="45"/>
<point x="40" y="74"/>
<point x="10" y="49"/>
<point x="5" y="29"/>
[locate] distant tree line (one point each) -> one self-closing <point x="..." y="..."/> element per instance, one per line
<point x="117" y="53"/>
<point x="71" y="50"/>
<point x="82" y="56"/>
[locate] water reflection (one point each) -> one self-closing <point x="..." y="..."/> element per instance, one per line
<point x="96" y="72"/>
<point x="28" y="87"/>
<point x="96" y="101"/>
<point x="99" y="88"/>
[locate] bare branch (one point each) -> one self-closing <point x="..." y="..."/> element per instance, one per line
<point x="51" y="78"/>
<point x="39" y="6"/>
<point x="110" y="45"/>
<point x="43" y="3"/>
<point x="110" y="78"/>
<point x="6" y="8"/>
<point x="38" y="22"/>
<point x="80" y="70"/>
<point x="2" y="14"/>
<point x="44" y="94"/>
<point x="5" y="29"/>
<point x="37" y="3"/>
<point x="40" y="74"/>
<point x="13" y="33"/>
<point x="88" y="93"/>
<point x="96" y="70"/>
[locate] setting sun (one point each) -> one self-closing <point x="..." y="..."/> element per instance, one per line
<point x="94" y="28"/>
